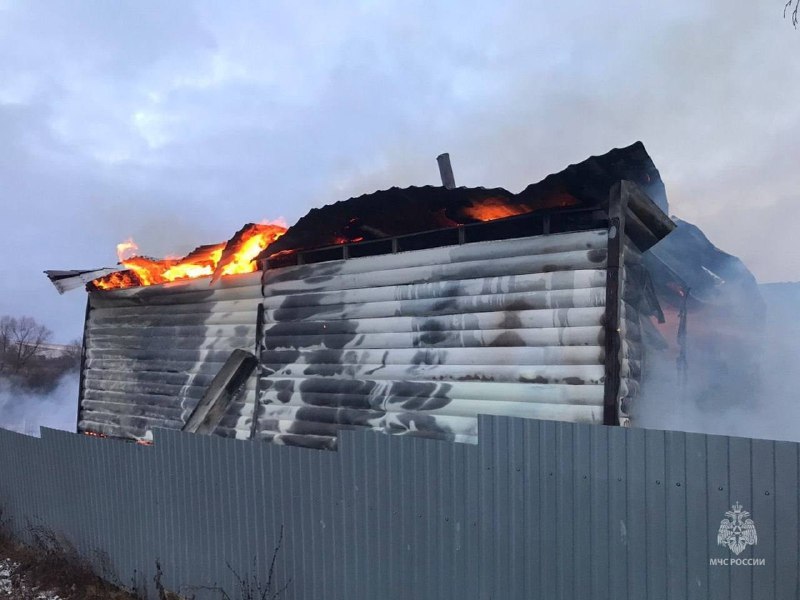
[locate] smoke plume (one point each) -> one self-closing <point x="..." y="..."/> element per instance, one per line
<point x="743" y="388"/>
<point x="25" y="411"/>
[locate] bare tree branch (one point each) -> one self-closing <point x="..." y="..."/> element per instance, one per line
<point x="20" y="341"/>
<point x="6" y="324"/>
<point x="29" y="336"/>
<point x="793" y="6"/>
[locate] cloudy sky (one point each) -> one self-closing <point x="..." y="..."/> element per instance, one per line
<point x="177" y="122"/>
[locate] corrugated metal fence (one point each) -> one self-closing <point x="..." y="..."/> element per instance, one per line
<point x="536" y="510"/>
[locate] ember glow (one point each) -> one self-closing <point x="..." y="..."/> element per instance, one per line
<point x="494" y="208"/>
<point x="490" y="209"/>
<point x="237" y="255"/>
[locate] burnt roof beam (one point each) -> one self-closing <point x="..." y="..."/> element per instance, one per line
<point x="641" y="205"/>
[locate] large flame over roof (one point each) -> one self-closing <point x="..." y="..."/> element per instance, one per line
<point x="237" y="255"/>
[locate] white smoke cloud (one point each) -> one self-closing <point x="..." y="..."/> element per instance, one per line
<point x="767" y="408"/>
<point x="25" y="412"/>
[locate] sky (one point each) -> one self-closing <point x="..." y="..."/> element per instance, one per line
<point x="177" y="122"/>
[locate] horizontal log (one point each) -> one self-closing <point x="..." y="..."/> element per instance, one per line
<point x="98" y="390"/>
<point x="135" y="410"/>
<point x="239" y="425"/>
<point x="459" y="407"/>
<point x="369" y="418"/>
<point x="527" y="282"/>
<point x="227" y="433"/>
<point x="542" y="355"/>
<point x="202" y="308"/>
<point x="440" y="427"/>
<point x="323" y="277"/>
<point x="303" y="441"/>
<point x="145" y="341"/>
<point x="135" y="399"/>
<point x="522" y="319"/>
<point x="145" y="317"/>
<point x="573" y="336"/>
<point x="312" y="431"/>
<point x="199" y="331"/>
<point x="630" y="387"/>
<point x="232" y="422"/>
<point x="638" y="232"/>
<point x="151" y="386"/>
<point x="509" y="248"/>
<point x="647" y="210"/>
<point x="152" y="366"/>
<point x="165" y="354"/>
<point x="152" y="296"/>
<point x="198" y="379"/>
<point x="466" y="412"/>
<point x="187" y="401"/>
<point x="631" y="368"/>
<point x="427" y="391"/>
<point x="551" y="374"/>
<point x="583" y="298"/>
<point x="130" y="422"/>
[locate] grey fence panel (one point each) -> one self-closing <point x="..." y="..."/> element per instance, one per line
<point x="787" y="507"/>
<point x="537" y="509"/>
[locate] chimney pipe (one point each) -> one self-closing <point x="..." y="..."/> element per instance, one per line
<point x="446" y="171"/>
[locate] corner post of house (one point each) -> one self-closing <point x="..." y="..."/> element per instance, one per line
<point x="617" y="206"/>
<point x="84" y="355"/>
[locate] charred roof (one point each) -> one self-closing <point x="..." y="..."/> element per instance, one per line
<point x="398" y="212"/>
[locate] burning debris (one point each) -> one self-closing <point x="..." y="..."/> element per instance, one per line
<point x="237" y="255"/>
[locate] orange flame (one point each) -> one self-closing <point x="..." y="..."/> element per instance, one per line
<point x="237" y="255"/>
<point x="490" y="209"/>
<point x="494" y="208"/>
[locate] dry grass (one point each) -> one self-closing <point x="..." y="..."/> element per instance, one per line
<point x="53" y="565"/>
<point x="50" y="564"/>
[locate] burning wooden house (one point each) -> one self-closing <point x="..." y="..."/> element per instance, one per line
<point x="407" y="311"/>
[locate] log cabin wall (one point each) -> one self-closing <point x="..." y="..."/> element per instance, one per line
<point x="414" y="342"/>
<point x="422" y="342"/>
<point x="150" y="353"/>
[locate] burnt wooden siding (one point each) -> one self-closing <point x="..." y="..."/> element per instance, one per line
<point x="422" y="342"/>
<point x="416" y="343"/>
<point x="150" y="352"/>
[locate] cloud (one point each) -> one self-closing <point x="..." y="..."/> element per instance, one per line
<point x="176" y="123"/>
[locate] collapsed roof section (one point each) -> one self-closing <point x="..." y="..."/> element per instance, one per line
<point x="399" y="212"/>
